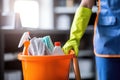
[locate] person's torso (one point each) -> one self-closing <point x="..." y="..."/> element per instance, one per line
<point x="107" y="30"/>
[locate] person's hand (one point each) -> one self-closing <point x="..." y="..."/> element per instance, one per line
<point x="78" y="28"/>
<point x="71" y="45"/>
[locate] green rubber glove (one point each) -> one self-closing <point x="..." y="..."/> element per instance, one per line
<point x="78" y="28"/>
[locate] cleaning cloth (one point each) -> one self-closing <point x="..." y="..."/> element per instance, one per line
<point x="37" y="47"/>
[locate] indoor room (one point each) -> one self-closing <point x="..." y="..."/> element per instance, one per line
<point x="43" y="18"/>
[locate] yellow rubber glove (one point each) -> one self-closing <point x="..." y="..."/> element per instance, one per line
<point x="78" y="28"/>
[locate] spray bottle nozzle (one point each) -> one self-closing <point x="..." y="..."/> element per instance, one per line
<point x="25" y="37"/>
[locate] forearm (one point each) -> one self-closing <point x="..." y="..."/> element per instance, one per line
<point x="87" y="3"/>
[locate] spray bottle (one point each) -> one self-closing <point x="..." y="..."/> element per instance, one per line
<point x="25" y="40"/>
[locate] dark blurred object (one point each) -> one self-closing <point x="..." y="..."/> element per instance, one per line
<point x="7" y="21"/>
<point x="1" y="52"/>
<point x="10" y="21"/>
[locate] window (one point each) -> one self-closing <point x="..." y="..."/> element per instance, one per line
<point x="35" y="13"/>
<point x="29" y="12"/>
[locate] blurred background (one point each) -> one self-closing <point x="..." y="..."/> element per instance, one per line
<point x="40" y="18"/>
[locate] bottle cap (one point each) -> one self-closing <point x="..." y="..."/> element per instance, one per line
<point x="57" y="44"/>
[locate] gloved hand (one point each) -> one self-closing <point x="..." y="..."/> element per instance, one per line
<point x="78" y="28"/>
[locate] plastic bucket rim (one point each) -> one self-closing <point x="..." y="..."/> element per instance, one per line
<point x="46" y="57"/>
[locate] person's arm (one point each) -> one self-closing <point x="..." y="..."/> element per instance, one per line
<point x="79" y="25"/>
<point x="87" y="3"/>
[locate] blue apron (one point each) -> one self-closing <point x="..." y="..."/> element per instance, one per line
<point x="107" y="40"/>
<point x="107" y="31"/>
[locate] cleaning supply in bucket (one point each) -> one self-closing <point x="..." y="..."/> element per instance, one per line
<point x="57" y="49"/>
<point x="41" y="46"/>
<point x="25" y="40"/>
<point x="37" y="47"/>
<point x="48" y="42"/>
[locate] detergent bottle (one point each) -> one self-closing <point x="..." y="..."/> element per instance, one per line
<point x="57" y="49"/>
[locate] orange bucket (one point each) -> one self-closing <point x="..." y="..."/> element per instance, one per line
<point x="46" y="67"/>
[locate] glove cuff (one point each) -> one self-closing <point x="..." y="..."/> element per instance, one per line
<point x="83" y="11"/>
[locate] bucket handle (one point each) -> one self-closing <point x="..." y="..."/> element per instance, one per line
<point x="76" y="66"/>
